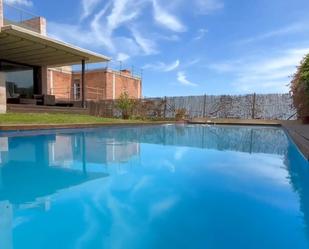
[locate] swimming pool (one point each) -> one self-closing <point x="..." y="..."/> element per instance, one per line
<point x="166" y="186"/>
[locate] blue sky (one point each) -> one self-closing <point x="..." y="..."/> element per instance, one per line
<point x="189" y="47"/>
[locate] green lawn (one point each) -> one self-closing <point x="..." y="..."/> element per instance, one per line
<point x="44" y="118"/>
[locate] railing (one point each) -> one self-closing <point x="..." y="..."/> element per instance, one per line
<point x="20" y="17"/>
<point x="75" y="93"/>
<point x="118" y="67"/>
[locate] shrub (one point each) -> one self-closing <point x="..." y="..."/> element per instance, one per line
<point x="125" y="104"/>
<point x="180" y="114"/>
<point x="300" y="88"/>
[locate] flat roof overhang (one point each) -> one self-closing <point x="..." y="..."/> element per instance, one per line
<point x="23" y="46"/>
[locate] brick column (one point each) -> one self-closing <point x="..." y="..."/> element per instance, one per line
<point x="83" y="85"/>
<point x="2" y="93"/>
<point x="1" y="13"/>
<point x="2" y="74"/>
<point x="139" y="89"/>
<point x="42" y="25"/>
<point x="114" y="86"/>
<point x="44" y="80"/>
<point x="37" y="24"/>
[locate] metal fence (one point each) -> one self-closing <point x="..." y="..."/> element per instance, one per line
<point x="118" y="66"/>
<point x="251" y="106"/>
<point x="75" y="93"/>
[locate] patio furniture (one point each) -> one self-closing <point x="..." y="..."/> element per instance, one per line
<point x="12" y="98"/>
<point x="49" y="100"/>
<point x="45" y="99"/>
<point x="25" y="101"/>
<point x="64" y="104"/>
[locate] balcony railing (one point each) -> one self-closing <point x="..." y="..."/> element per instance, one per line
<point x="118" y="66"/>
<point x="20" y="17"/>
<point x="75" y="93"/>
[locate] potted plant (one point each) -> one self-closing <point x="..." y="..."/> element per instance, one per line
<point x="300" y="90"/>
<point x="125" y="104"/>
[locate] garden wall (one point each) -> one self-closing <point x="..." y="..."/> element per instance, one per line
<point x="251" y="106"/>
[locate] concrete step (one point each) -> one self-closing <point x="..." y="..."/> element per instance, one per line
<point x="45" y="109"/>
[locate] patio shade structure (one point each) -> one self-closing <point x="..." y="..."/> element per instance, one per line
<point x="31" y="48"/>
<point x="26" y="47"/>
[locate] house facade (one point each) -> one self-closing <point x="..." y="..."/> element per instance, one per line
<point x="33" y="65"/>
<point x="101" y="84"/>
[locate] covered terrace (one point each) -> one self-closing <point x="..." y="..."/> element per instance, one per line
<point x="25" y="56"/>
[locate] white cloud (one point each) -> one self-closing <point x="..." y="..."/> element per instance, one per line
<point x="60" y="31"/>
<point x="102" y="30"/>
<point x="191" y="63"/>
<point x="182" y="79"/>
<point x="165" y="19"/>
<point x="122" y="57"/>
<point x="180" y="153"/>
<point x="263" y="74"/>
<point x="163" y="67"/>
<point x="147" y="45"/>
<point x="200" y="34"/>
<point x="122" y="12"/>
<point x="208" y="6"/>
<point x="163" y="206"/>
<point x="118" y="27"/>
<point x="172" y="66"/>
<point x="172" y="38"/>
<point x="291" y="29"/>
<point x="88" y="7"/>
<point x="19" y="2"/>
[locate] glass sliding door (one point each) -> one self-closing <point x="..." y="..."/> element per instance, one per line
<point x="20" y="81"/>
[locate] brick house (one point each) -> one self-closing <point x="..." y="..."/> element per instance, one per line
<point x="100" y="84"/>
<point x="35" y="67"/>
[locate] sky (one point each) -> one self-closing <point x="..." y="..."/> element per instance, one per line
<point x="187" y="47"/>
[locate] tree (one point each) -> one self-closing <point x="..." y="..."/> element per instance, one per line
<point x="300" y="89"/>
<point x="125" y="104"/>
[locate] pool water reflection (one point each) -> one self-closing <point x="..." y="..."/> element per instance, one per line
<point x="167" y="186"/>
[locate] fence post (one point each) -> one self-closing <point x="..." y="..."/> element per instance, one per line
<point x="253" y="106"/>
<point x="204" y="106"/>
<point x="164" y="110"/>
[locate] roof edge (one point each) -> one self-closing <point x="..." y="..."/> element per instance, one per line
<point x="80" y="51"/>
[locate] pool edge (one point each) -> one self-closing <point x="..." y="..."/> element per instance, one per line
<point x="301" y="142"/>
<point x="30" y="127"/>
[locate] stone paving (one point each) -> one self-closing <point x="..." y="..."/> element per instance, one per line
<point x="300" y="134"/>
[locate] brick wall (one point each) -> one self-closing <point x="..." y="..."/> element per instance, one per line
<point x="2" y="93"/>
<point x="124" y="83"/>
<point x="95" y="84"/>
<point x="60" y="84"/>
<point x="1" y="13"/>
<point x="37" y="24"/>
<point x="110" y="86"/>
<point x="101" y="84"/>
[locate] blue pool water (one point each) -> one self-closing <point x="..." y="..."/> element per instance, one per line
<point x="167" y="186"/>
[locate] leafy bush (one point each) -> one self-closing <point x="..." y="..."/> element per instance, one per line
<point x="300" y="88"/>
<point x="125" y="104"/>
<point x="180" y="114"/>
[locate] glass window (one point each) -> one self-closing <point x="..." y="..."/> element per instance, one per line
<point x="76" y="89"/>
<point x="19" y="80"/>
